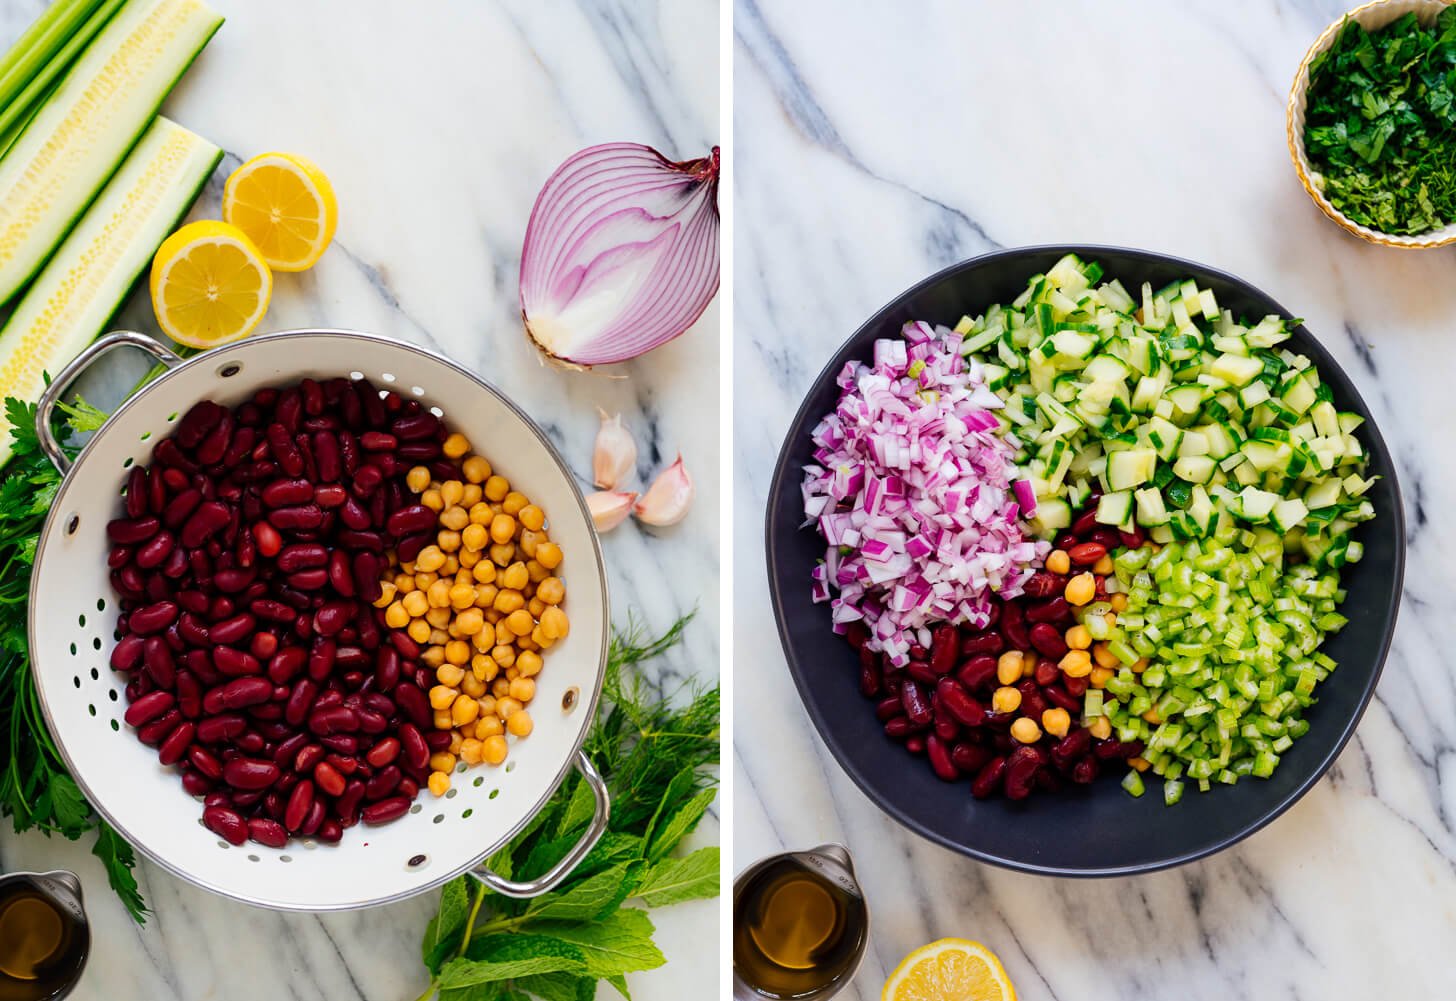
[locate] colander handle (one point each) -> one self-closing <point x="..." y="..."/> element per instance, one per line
<point x="561" y="870"/>
<point x="52" y="395"/>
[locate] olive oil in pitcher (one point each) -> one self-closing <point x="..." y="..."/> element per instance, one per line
<point x="799" y="925"/>
<point x="44" y="938"/>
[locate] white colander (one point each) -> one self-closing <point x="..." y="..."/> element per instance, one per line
<point x="73" y="620"/>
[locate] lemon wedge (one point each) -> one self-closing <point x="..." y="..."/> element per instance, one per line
<point x="209" y="284"/>
<point x="951" y="969"/>
<point x="286" y="205"/>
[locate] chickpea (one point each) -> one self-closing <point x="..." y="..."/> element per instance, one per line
<point x="470" y="621"/>
<point x="1140" y="665"/>
<point x="387" y="592"/>
<point x="536" y="572"/>
<point x="1104" y="656"/>
<point x="457" y="652"/>
<point x="502" y="528"/>
<point x="415" y="604"/>
<point x="1080" y="589"/>
<point x="448" y="541"/>
<point x="467" y="557"/>
<point x="431" y="499"/>
<point x="456" y="739"/>
<point x="1025" y="730"/>
<point x="539" y="637"/>
<point x="1103" y="566"/>
<point x="460" y="596"/>
<point x="532" y="517"/>
<point x="520" y="724"/>
<point x="442" y="761"/>
<point x="501" y="687"/>
<point x="508" y="601"/>
<point x="442" y="719"/>
<point x="471" y="496"/>
<point x="1101" y="728"/>
<point x="417" y="479"/>
<point x="405" y="583"/>
<point x="430" y="559"/>
<point x="484" y="572"/>
<point x="395" y="616"/>
<point x="481" y="514"/>
<point x="503" y="654"/>
<point x="554" y="624"/>
<point x="438" y="618"/>
<point x="488" y="725"/>
<point x="1099" y="677"/>
<point x="1077" y="664"/>
<point x="523" y="690"/>
<point x="496" y="488"/>
<point x="451" y="491"/>
<point x="476" y="469"/>
<point x="474" y="537"/>
<point x="1078" y="638"/>
<point x="548" y="554"/>
<point x="516" y="577"/>
<point x="529" y="664"/>
<point x="494" y="749"/>
<point x="471" y="685"/>
<point x="528" y="542"/>
<point x="432" y="656"/>
<point x="455" y="518"/>
<point x="1058" y="561"/>
<point x="520" y="622"/>
<point x="449" y="675"/>
<point x="502" y="554"/>
<point x="439" y="637"/>
<point x="419" y="631"/>
<point x="506" y="707"/>
<point x="524" y="643"/>
<point x="487" y="708"/>
<point x="551" y="591"/>
<point x="485" y="639"/>
<point x="484" y="667"/>
<point x="470" y="751"/>
<point x="452" y="565"/>
<point x="1006" y="699"/>
<point x="424" y="580"/>
<point x="465" y="710"/>
<point x="514" y="502"/>
<point x="1008" y="665"/>
<point x="439" y="783"/>
<point x="438" y="594"/>
<point x="535" y="606"/>
<point x="442" y="697"/>
<point x="1056" y="722"/>
<point x="485" y="595"/>
<point x="1119" y="602"/>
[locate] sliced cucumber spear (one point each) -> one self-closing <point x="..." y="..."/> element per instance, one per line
<point x="72" y="299"/>
<point x="83" y="132"/>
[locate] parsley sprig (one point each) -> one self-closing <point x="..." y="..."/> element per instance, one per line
<point x="1380" y="128"/>
<point x="657" y="754"/>
<point x="36" y="789"/>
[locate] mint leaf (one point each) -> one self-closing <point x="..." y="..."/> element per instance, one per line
<point x="442" y="934"/>
<point x="490" y="991"/>
<point x="620" y="983"/>
<point x="559" y="987"/>
<point x="579" y="809"/>
<point x="674" y="880"/>
<point x="620" y="943"/>
<point x="681" y="786"/>
<point x="593" y="897"/>
<point x="679" y="825"/>
<point x="505" y="956"/>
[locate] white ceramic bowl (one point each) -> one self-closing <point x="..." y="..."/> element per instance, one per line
<point x="1371" y="16"/>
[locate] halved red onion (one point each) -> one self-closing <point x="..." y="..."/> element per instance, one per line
<point x="621" y="253"/>
<point x="914" y="491"/>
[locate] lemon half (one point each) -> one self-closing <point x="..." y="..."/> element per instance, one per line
<point x="286" y="205"/>
<point x="952" y="969"/>
<point x="209" y="284"/>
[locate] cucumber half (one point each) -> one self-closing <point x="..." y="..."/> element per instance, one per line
<point x="82" y="134"/>
<point x="72" y="299"/>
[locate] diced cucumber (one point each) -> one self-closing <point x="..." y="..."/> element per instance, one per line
<point x="1237" y="370"/>
<point x="1150" y="507"/>
<point x="1131" y="467"/>
<point x="1194" y="468"/>
<point x="1114" y="507"/>
<point x="72" y="299"/>
<point x="1052" y="515"/>
<point x="81" y="136"/>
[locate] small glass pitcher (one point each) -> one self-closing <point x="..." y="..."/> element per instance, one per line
<point x="46" y="908"/>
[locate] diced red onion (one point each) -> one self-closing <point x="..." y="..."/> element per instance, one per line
<point x="916" y="494"/>
<point x="621" y="253"/>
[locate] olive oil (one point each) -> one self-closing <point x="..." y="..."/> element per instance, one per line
<point x="42" y="942"/>
<point x="796" y="932"/>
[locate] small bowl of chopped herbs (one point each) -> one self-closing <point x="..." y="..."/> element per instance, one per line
<point x="1372" y="122"/>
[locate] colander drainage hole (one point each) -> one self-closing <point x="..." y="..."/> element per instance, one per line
<point x="416" y="808"/>
<point x="438" y="817"/>
<point x="229" y="369"/>
<point x="254" y="858"/>
<point x="466" y="814"/>
<point x="386" y="376"/>
<point x="510" y="767"/>
<point x="96" y="643"/>
<point x="172" y="416"/>
<point x="417" y="390"/>
<point x="437" y="411"/>
<point x="115" y="726"/>
<point x="126" y="463"/>
<point x="479" y="780"/>
<point x="100" y="604"/>
<point x="111" y="694"/>
<point x="95" y="674"/>
<point x="223" y="844"/>
<point x="285" y="858"/>
<point x="73" y="650"/>
<point x="449" y="794"/>
<point x="73" y="523"/>
<point x="82" y="620"/>
<point x="356" y="376"/>
<point x="91" y="709"/>
<point x="416" y="861"/>
<point x="493" y="794"/>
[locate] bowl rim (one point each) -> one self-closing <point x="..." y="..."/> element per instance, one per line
<point x="784" y="478"/>
<point x="1294" y="115"/>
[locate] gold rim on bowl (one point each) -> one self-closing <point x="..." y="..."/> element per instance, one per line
<point x="1375" y="14"/>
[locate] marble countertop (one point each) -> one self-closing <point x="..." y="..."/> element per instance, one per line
<point x="437" y="125"/>
<point x="879" y="143"/>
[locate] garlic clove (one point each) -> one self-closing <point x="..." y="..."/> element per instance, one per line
<point x="666" y="502"/>
<point x="615" y="455"/>
<point x="609" y="508"/>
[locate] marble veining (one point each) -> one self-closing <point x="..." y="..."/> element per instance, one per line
<point x="879" y="143"/>
<point x="437" y="125"/>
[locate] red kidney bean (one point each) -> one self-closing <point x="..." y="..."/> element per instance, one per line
<point x="988" y="780"/>
<point x="155" y="731"/>
<point x="1087" y="553"/>
<point x="206" y="521"/>
<point x="226" y="823"/>
<point x="1106" y="750"/>
<point x="978" y="673"/>
<point x="1042" y="584"/>
<point x="119" y="556"/>
<point x="154" y="551"/>
<point x="1048" y="641"/>
<point x="869" y="673"/>
<point x="283" y="449"/>
<point x="308" y="758"/>
<point x="130" y="531"/>
<point x="153" y="618"/>
<point x="1076" y="687"/>
<point x="330" y="833"/>
<point x="214" y="446"/>
<point x="303" y="517"/>
<point x="378" y="441"/>
<point x="250" y="773"/>
<point x="302" y="555"/>
<point x="176" y="564"/>
<point x="283" y="493"/>
<point x="409" y="520"/>
<point x="205" y="762"/>
<point x="177" y="743"/>
<point x="136" y="492"/>
<point x="193" y="632"/>
<point x="1071" y="747"/>
<point x="328" y="778"/>
<point x="1084" y="771"/>
<point x="1132" y="540"/>
<point x="1107" y="538"/>
<point x="940" y="759"/>
<point x="263" y="645"/>
<point x="969" y="758"/>
<point x="1085" y="523"/>
<point x="295" y="711"/>
<point x="231" y="630"/>
<point x="235" y="663"/>
<point x="147" y="708"/>
<point x="286" y="752"/>
<point x="161" y="666"/>
<point x="300" y="804"/>
<point x="269" y="541"/>
<point x="1047" y="672"/>
<point x="921" y="672"/>
<point x="412" y="745"/>
<point x="1032" y="703"/>
<point x="216" y="729"/>
<point x="341" y="576"/>
<point x="334" y="719"/>
<point x="437" y="740"/>
<point x="285" y="664"/>
<point x="982" y="643"/>
<point x="345" y="764"/>
<point x="385" y="810"/>
<point x="267" y="832"/>
<point x="383" y="782"/>
<point x="966" y="710"/>
<point x="944" y="648"/>
<point x="313" y="819"/>
<point x="240" y="693"/>
<point x="195" y="425"/>
<point x="888" y="708"/>
<point x="899" y="728"/>
<point x="384" y="752"/>
<point x="413" y="703"/>
<point x="128" y="652"/>
<point x="273" y="611"/>
<point x="1021" y="768"/>
<point x="1052" y="610"/>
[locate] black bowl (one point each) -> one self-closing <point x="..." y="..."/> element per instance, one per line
<point x="1101" y="830"/>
